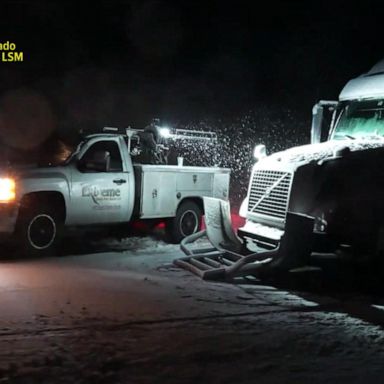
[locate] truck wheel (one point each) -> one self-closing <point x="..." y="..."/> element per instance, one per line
<point x="38" y="230"/>
<point x="186" y="222"/>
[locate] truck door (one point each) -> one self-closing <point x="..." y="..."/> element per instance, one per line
<point x="100" y="185"/>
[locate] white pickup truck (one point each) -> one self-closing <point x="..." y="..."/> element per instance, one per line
<point x="99" y="183"/>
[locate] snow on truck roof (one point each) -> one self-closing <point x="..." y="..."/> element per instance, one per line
<point x="370" y="85"/>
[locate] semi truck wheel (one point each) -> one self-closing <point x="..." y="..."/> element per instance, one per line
<point x="186" y="222"/>
<point x="38" y="230"/>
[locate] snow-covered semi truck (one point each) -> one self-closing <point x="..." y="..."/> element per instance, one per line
<point x="326" y="198"/>
<point x="100" y="184"/>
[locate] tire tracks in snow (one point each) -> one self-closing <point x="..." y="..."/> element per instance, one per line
<point x="95" y="326"/>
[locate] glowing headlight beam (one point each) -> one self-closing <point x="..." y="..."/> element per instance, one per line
<point x="7" y="190"/>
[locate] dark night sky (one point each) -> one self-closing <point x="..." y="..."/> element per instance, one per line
<point x="125" y="62"/>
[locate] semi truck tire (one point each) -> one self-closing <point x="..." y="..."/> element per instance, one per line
<point x="186" y="222"/>
<point x="38" y="230"/>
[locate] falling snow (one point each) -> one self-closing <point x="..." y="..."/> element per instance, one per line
<point x="237" y="139"/>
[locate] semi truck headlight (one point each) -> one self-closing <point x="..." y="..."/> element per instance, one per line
<point x="7" y="190"/>
<point x="259" y="152"/>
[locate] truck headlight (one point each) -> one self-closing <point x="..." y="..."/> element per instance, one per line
<point x="259" y="152"/>
<point x="7" y="190"/>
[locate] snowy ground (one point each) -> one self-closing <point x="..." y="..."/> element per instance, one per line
<point x="125" y="314"/>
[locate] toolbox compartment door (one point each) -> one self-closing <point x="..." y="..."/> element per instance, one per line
<point x="158" y="197"/>
<point x="194" y="181"/>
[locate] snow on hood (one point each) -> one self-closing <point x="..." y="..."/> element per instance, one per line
<point x="322" y="151"/>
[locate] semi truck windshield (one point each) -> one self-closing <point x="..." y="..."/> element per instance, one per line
<point x="361" y="119"/>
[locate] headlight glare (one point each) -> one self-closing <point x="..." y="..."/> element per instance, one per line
<point x="7" y="190"/>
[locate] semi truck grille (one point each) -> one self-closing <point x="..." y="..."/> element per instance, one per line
<point x="269" y="193"/>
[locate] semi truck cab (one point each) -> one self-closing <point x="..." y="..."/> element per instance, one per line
<point x="338" y="179"/>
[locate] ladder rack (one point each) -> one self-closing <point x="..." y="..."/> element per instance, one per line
<point x="175" y="134"/>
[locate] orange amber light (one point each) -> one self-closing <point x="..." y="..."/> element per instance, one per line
<point x="7" y="190"/>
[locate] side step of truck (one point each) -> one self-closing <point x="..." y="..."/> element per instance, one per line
<point x="228" y="257"/>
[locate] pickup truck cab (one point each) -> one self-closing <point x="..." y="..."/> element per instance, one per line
<point x="100" y="184"/>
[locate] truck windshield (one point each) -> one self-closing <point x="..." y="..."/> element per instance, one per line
<point x="361" y="120"/>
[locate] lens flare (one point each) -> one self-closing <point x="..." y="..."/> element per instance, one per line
<point x="7" y="190"/>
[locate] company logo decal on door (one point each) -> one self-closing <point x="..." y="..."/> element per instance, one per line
<point x="100" y="195"/>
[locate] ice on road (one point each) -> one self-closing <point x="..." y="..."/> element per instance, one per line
<point x="125" y="314"/>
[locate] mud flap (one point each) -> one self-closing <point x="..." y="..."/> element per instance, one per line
<point x="227" y="257"/>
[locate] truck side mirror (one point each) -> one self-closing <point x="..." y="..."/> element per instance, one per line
<point x="320" y="111"/>
<point x="317" y="119"/>
<point x="98" y="162"/>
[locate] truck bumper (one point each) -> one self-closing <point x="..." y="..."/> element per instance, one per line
<point x="259" y="235"/>
<point x="8" y="217"/>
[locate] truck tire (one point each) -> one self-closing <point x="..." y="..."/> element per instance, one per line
<point x="38" y="230"/>
<point x="186" y="222"/>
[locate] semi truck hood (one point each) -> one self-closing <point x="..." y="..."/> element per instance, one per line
<point x="317" y="152"/>
<point x="315" y="180"/>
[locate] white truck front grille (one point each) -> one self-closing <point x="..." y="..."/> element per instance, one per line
<point x="269" y="194"/>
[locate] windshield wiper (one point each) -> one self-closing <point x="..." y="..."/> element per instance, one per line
<point x="374" y="136"/>
<point x="349" y="137"/>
